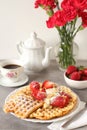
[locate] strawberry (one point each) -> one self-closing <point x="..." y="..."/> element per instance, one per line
<point x="40" y="95"/>
<point x="59" y="101"/>
<point x="34" y="94"/>
<point x="75" y="76"/>
<point x="34" y="86"/>
<point x="81" y="72"/>
<point x="85" y="71"/>
<point x="84" y="77"/>
<point x="47" y="84"/>
<point x="71" y="69"/>
<point x="43" y="90"/>
<point x="65" y="94"/>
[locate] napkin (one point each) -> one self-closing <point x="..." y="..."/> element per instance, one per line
<point x="78" y="119"/>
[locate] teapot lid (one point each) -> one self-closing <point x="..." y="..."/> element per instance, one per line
<point x="34" y="41"/>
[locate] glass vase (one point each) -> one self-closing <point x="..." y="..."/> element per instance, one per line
<point x="66" y="54"/>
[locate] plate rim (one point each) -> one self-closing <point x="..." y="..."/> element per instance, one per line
<point x="70" y="114"/>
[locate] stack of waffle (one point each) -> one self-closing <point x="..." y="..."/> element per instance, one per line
<point x="23" y="105"/>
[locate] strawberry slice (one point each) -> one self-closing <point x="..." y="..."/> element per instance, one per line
<point x="60" y="101"/>
<point x="65" y="94"/>
<point x="34" y="94"/>
<point x="43" y="90"/>
<point x="34" y="86"/>
<point x="47" y="84"/>
<point x="39" y="95"/>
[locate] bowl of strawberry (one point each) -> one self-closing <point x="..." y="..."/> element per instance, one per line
<point x="76" y="77"/>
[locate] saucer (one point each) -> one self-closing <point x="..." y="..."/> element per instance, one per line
<point x="23" y="79"/>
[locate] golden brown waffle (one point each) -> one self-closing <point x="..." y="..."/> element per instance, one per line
<point x="25" y="90"/>
<point x="9" y="106"/>
<point x="22" y="104"/>
<point x="70" y="92"/>
<point x="53" y="112"/>
<point x="25" y="105"/>
<point x="50" y="112"/>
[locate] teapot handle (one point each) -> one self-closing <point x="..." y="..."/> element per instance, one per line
<point x="19" y="47"/>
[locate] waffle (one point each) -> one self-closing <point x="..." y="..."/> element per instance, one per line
<point x="70" y="92"/>
<point x="23" y="105"/>
<point x="53" y="112"/>
<point x="50" y="112"/>
<point x="9" y="106"/>
<point x="25" y="90"/>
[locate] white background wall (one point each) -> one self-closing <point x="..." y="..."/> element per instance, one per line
<point x="18" y="18"/>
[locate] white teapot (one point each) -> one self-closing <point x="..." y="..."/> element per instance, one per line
<point x="33" y="55"/>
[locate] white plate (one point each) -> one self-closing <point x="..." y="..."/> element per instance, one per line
<point x="23" y="79"/>
<point x="72" y="113"/>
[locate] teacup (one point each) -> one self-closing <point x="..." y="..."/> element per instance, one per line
<point x="11" y="70"/>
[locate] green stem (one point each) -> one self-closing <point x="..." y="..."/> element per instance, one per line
<point x="74" y="23"/>
<point x="77" y="31"/>
<point x="66" y="48"/>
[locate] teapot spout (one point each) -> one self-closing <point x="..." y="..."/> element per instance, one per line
<point x="46" y="60"/>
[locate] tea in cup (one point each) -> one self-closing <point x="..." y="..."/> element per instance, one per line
<point x="11" y="70"/>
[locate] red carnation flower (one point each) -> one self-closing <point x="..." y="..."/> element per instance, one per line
<point x="83" y="15"/>
<point x="80" y="4"/>
<point x="49" y="3"/>
<point x="66" y="3"/>
<point x="70" y="13"/>
<point x="51" y="22"/>
<point x="56" y="20"/>
<point x="59" y="18"/>
<point x="65" y="19"/>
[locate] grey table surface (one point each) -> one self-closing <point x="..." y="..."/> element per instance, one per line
<point x="9" y="122"/>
